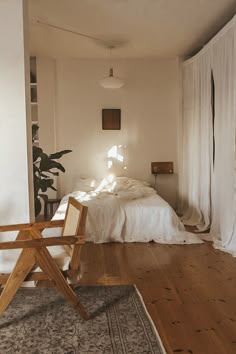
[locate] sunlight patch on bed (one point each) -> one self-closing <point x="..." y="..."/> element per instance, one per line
<point x="106" y="184"/>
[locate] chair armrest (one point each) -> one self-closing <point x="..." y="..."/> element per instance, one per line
<point x="27" y="226"/>
<point x="42" y="242"/>
<point x="48" y="224"/>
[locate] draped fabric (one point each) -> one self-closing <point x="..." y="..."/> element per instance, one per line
<point x="197" y="143"/>
<point x="208" y="162"/>
<point x="224" y="176"/>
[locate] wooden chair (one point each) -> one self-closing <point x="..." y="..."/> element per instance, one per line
<point x="56" y="264"/>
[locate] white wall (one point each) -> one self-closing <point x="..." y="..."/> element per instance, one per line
<point x="15" y="191"/>
<point x="149" y="104"/>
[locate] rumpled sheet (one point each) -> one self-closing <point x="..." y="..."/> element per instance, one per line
<point x="126" y="210"/>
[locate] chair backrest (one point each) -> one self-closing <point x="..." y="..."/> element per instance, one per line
<point x="74" y="224"/>
<point x="72" y="218"/>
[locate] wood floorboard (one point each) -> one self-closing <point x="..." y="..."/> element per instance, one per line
<point x="189" y="291"/>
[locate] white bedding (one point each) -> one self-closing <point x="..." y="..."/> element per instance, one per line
<point x="126" y="210"/>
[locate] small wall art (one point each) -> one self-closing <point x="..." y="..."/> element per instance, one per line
<point x="111" y="119"/>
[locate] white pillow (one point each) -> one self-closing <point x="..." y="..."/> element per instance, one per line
<point x="86" y="184"/>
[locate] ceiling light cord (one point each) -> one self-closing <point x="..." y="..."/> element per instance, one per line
<point x="70" y="31"/>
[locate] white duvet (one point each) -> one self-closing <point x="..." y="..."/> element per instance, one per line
<point x="126" y="210"/>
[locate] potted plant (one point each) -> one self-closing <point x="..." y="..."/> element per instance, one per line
<point x="45" y="168"/>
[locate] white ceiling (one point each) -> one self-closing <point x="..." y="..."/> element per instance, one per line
<point x="145" y="28"/>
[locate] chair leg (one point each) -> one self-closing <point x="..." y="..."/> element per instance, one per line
<point x="22" y="268"/>
<point x="47" y="264"/>
<point x="75" y="265"/>
<point x="75" y="259"/>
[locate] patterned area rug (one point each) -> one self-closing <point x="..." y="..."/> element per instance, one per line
<point x="40" y="321"/>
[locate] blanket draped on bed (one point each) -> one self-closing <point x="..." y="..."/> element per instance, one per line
<point x="126" y="210"/>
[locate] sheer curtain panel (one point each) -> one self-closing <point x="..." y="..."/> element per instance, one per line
<point x="196" y="161"/>
<point x="224" y="176"/>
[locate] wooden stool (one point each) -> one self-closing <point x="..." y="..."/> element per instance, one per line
<point x="49" y="207"/>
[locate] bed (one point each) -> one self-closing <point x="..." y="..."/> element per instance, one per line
<point x="123" y="209"/>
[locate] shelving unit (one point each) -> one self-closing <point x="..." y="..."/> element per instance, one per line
<point x="34" y="93"/>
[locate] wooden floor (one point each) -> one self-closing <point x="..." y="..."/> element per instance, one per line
<point x="189" y="290"/>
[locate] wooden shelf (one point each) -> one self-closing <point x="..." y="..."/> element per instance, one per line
<point x="34" y="97"/>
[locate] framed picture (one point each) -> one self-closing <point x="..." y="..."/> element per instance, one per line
<point x="111" y="119"/>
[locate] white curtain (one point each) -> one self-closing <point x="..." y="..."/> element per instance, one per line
<point x="224" y="176"/>
<point x="196" y="159"/>
<point x="208" y="192"/>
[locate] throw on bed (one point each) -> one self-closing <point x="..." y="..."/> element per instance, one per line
<point x="126" y="210"/>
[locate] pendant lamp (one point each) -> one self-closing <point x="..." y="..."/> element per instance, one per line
<point x="111" y="81"/>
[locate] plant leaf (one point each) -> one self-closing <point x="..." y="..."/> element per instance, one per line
<point x="37" y="206"/>
<point x="54" y="173"/>
<point x="44" y="176"/>
<point x="59" y="154"/>
<point x="35" y="128"/>
<point x="37" y="152"/>
<point x="45" y="184"/>
<point x="53" y="188"/>
<point x="47" y="164"/>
